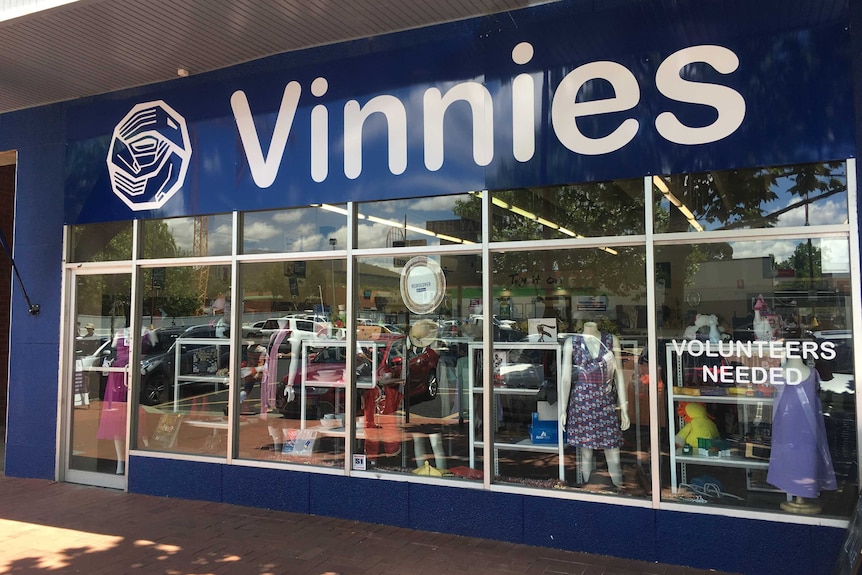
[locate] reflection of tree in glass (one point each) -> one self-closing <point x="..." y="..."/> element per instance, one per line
<point x="746" y="198"/>
<point x="594" y="209"/>
<point x="806" y="263"/>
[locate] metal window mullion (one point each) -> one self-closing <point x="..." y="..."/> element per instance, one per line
<point x="652" y="347"/>
<point x="855" y="290"/>
<point x="488" y="453"/>
<point x="350" y="358"/>
<point x="133" y="374"/>
<point x="235" y="338"/>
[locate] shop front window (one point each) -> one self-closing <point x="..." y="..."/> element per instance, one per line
<point x="199" y="236"/>
<point x="570" y="404"/>
<point x="434" y="221"/>
<point x="185" y="352"/>
<point x="105" y="242"/>
<point x="295" y="230"/>
<point x="774" y="197"/>
<point x="564" y="212"/>
<point x="291" y="386"/>
<point x="756" y="351"/>
<point x="416" y="322"/>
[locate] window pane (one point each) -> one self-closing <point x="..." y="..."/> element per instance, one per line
<point x="187" y="237"/>
<point x="801" y="195"/>
<point x="183" y="383"/>
<point x="547" y="370"/>
<point x="111" y="241"/>
<point x="291" y="381"/>
<point x="571" y="211"/>
<point x="439" y="220"/>
<point x="296" y="230"/>
<point x="770" y="418"/>
<point x="413" y="377"/>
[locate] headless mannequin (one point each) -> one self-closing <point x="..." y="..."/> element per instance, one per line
<point x="436" y="441"/>
<point x="120" y="442"/>
<point x="592" y="337"/>
<point x="798" y="504"/>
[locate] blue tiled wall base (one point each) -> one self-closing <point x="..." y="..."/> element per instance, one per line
<point x="703" y="541"/>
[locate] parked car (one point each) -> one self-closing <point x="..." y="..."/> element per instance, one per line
<point x="328" y="363"/>
<point x="158" y="361"/>
<point x="312" y="326"/>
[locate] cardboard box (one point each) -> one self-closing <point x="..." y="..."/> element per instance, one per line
<point x="757" y="450"/>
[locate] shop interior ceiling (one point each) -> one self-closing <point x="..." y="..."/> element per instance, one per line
<point x="91" y="47"/>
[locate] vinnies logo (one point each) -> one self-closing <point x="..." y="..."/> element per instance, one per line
<point x="149" y="155"/>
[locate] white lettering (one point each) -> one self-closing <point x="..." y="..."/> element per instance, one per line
<point x="792" y="348"/>
<point x="523" y="107"/>
<point x="729" y="103"/>
<point x="526" y="114"/>
<point x="319" y="133"/>
<point x="827" y="350"/>
<point x="396" y="120"/>
<point x="482" y="107"/>
<point x="792" y="375"/>
<point x="565" y="109"/>
<point x="264" y="170"/>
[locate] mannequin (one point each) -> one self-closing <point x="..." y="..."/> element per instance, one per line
<point x="436" y="441"/>
<point x="112" y="420"/>
<point x="800" y="463"/>
<point x="597" y="410"/>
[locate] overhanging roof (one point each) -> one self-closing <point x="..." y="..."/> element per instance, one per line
<point x="94" y="47"/>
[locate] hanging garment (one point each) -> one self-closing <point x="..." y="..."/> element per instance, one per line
<point x="592" y="420"/>
<point x="800" y="463"/>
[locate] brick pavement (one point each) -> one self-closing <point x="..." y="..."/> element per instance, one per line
<point x="48" y="527"/>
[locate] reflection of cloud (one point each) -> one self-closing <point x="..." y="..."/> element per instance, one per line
<point x="441" y="204"/>
<point x="780" y="249"/>
<point x="219" y="240"/>
<point x="288" y="216"/>
<point x="259" y="232"/>
<point x="372" y="235"/>
<point x="181" y="231"/>
<point x="822" y="213"/>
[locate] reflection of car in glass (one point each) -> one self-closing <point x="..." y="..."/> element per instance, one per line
<point x="311" y="326"/>
<point x="328" y="364"/>
<point x="838" y="399"/>
<point x="158" y="361"/>
<point x="91" y="354"/>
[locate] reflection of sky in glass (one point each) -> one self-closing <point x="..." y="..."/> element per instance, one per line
<point x="218" y="234"/>
<point x="429" y="221"/>
<point x="788" y="208"/>
<point x="781" y="250"/>
<point x="296" y="230"/>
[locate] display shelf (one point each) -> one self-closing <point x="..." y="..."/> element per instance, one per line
<point x="762" y="407"/>
<point x="523" y="380"/>
<point x="336" y="378"/>
<point x="725" y="461"/>
<point x="206" y="353"/>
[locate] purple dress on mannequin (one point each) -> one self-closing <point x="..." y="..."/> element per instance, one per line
<point x="112" y="423"/>
<point x="800" y="463"/>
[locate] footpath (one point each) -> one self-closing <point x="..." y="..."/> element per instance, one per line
<point x="58" y="528"/>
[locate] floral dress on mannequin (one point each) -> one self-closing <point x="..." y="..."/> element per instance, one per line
<point x="592" y="420"/>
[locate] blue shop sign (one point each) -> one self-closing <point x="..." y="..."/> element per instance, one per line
<point x="546" y="95"/>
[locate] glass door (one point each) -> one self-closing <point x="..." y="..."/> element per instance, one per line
<point x="98" y="379"/>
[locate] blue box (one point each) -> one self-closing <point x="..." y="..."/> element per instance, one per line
<point x="544" y="432"/>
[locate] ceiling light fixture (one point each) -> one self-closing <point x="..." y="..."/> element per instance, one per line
<point x="683" y="209"/>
